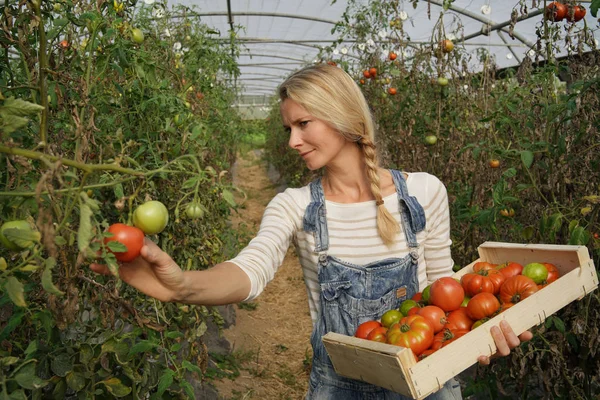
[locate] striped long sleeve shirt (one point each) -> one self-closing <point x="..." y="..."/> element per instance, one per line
<point x="353" y="236"/>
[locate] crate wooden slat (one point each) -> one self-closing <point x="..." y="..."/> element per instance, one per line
<point x="394" y="367"/>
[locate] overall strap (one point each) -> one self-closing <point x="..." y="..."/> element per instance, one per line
<point x="413" y="215"/>
<point x="315" y="217"/>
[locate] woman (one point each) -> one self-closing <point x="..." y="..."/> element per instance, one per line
<point x="367" y="237"/>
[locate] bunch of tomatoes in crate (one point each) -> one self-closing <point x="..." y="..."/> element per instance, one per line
<point x="449" y="308"/>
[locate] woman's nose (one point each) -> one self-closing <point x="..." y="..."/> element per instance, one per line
<point x="295" y="140"/>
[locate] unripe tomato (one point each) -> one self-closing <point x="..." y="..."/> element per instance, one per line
<point x="194" y="211"/>
<point x="130" y="236"/>
<point x="430" y="140"/>
<point x="442" y="81"/>
<point x="151" y="217"/>
<point x="536" y="271"/>
<point x="21" y="227"/>
<point x="137" y="35"/>
<point x="447" y="45"/>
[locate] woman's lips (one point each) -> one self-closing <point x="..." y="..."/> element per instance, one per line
<point x="305" y="154"/>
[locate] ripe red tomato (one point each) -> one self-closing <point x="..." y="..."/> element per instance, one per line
<point x="575" y="14"/>
<point x="511" y="269"/>
<point x="392" y="91"/>
<point x="365" y="328"/>
<point x="130" y="236"/>
<point x="435" y="316"/>
<point x="366" y="73"/>
<point x="517" y="288"/>
<point x="378" y="334"/>
<point x="393" y="55"/>
<point x="446" y="293"/>
<point x="426" y="353"/>
<point x="484" y="266"/>
<point x="556" y="11"/>
<point x="373" y="72"/>
<point x="553" y="272"/>
<point x="494" y="163"/>
<point x="446" y="336"/>
<point x="413" y="332"/>
<point x="482" y="305"/>
<point x="482" y="281"/>
<point x="460" y="318"/>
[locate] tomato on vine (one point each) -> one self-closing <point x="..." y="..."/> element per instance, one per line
<point x="151" y="217"/>
<point x="130" y="236"/>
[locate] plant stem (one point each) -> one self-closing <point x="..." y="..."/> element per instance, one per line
<point x="43" y="64"/>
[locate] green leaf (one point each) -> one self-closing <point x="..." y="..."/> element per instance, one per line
<point x="15" y="291"/>
<point x="8" y="361"/>
<point x="191" y="367"/>
<point x="76" y="380"/>
<point x="510" y="173"/>
<point x="594" y="8"/>
<point x="17" y="395"/>
<point x="3" y="264"/>
<point x="22" y="237"/>
<point x="559" y="324"/>
<point x="116" y="247"/>
<point x="174" y="334"/>
<point x="579" y="236"/>
<point x="84" y="234"/>
<point x="60" y="241"/>
<point x="85" y="354"/>
<point x="13" y="322"/>
<point x="527" y="233"/>
<point x="228" y="197"/>
<point x="116" y="387"/>
<point x="165" y="381"/>
<point x="189" y="390"/>
<point x="142" y="347"/>
<point x="527" y="158"/>
<point x="27" y="379"/>
<point x="47" y="283"/>
<point x="19" y="108"/>
<point x="62" y="364"/>
<point x="11" y="123"/>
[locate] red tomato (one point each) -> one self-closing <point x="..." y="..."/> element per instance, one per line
<point x="365" y="328"/>
<point x="482" y="305"/>
<point x="482" y="281"/>
<point x="378" y="334"/>
<point x="435" y="316"/>
<point x="460" y="318"/>
<point x="446" y="336"/>
<point x="413" y="332"/>
<point x="511" y="269"/>
<point x="517" y="288"/>
<point x="130" y="236"/>
<point x="426" y="353"/>
<point x="413" y="311"/>
<point x="418" y="296"/>
<point x="575" y="14"/>
<point x="556" y="11"/>
<point x="483" y="266"/>
<point x="553" y="272"/>
<point x="446" y="293"/>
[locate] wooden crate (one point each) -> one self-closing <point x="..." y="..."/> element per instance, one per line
<point x="395" y="368"/>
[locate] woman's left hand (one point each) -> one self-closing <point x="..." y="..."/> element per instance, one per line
<point x="506" y="340"/>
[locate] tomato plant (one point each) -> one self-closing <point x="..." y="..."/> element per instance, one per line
<point x="482" y="305"/>
<point x="446" y="293"/>
<point x="517" y="288"/>
<point x="412" y="332"/>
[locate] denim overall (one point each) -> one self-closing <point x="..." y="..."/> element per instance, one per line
<point x="352" y="294"/>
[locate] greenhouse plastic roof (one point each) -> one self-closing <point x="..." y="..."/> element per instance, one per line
<point x="279" y="36"/>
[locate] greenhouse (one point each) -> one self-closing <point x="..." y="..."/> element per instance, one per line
<point x="347" y="199"/>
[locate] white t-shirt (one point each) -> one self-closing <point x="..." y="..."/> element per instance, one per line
<point x="353" y="236"/>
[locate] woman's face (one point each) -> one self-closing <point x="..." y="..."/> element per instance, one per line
<point x="317" y="143"/>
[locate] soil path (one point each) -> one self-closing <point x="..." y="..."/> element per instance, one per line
<point x="270" y="341"/>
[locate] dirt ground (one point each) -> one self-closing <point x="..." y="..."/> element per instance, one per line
<point x="271" y="341"/>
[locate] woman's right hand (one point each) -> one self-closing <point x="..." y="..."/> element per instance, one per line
<point x="154" y="273"/>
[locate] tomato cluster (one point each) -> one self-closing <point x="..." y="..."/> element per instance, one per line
<point x="449" y="308"/>
<point x="557" y="11"/>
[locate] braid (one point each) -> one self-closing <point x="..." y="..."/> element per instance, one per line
<point x="387" y="226"/>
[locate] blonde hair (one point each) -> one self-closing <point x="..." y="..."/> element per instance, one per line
<point x="331" y="95"/>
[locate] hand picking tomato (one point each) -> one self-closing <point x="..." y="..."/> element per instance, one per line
<point x="130" y="236"/>
<point x="413" y="332"/>
<point x="446" y="293"/>
<point x="151" y="217"/>
<point x="365" y="328"/>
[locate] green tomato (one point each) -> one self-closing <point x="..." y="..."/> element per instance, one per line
<point x="151" y="217"/>
<point x="536" y="271"/>
<point x="442" y="81"/>
<point x="20" y="236"/>
<point x="390" y="317"/>
<point x="194" y="211"/>
<point x="137" y="35"/>
<point x="407" y="305"/>
<point x="430" y="140"/>
<point x="426" y="294"/>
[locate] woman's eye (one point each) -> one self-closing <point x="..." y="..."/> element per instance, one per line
<point x="304" y="123"/>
